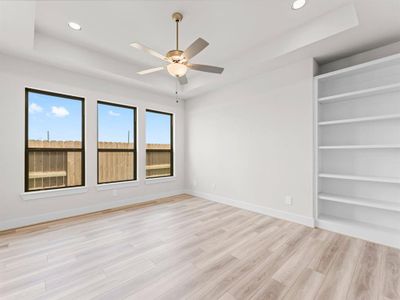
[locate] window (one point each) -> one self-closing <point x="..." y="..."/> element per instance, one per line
<point x="116" y="154"/>
<point x="54" y="141"/>
<point x="159" y="145"/>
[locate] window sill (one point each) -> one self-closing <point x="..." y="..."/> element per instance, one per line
<point x="117" y="185"/>
<point x="160" y="180"/>
<point x="53" y="193"/>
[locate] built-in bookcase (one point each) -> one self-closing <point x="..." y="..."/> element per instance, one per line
<point x="357" y="151"/>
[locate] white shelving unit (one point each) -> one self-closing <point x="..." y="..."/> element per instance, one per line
<point x="357" y="151"/>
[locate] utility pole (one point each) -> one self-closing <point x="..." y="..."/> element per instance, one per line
<point x="129" y="135"/>
<point x="48" y="135"/>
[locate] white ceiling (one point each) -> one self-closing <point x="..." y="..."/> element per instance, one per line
<point x="246" y="37"/>
<point x="231" y="27"/>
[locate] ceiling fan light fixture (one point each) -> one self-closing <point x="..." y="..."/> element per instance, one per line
<point x="297" y="4"/>
<point x="177" y="69"/>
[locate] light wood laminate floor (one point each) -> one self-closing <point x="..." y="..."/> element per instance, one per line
<point x="190" y="248"/>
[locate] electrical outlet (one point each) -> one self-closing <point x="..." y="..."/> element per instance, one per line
<point x="115" y="193"/>
<point x="288" y="200"/>
<point x="213" y="186"/>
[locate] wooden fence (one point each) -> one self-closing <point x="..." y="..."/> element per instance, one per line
<point x="60" y="168"/>
<point x="158" y="160"/>
<point x="56" y="168"/>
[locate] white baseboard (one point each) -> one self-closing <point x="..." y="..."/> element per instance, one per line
<point x="26" y="221"/>
<point x="307" y="221"/>
<point x="375" y="234"/>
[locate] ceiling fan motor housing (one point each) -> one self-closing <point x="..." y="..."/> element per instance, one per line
<point x="176" y="56"/>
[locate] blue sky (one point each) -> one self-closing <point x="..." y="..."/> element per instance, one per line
<point x="62" y="118"/>
<point x="115" y="123"/>
<point x="158" y="129"/>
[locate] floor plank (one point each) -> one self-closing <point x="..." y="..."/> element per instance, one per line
<point x="339" y="277"/>
<point x="365" y="284"/>
<point x="391" y="269"/>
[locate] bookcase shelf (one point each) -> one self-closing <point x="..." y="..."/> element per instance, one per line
<point x="359" y="120"/>
<point x="370" y="232"/>
<point x="357" y="147"/>
<point x="361" y="93"/>
<point x="360" y="178"/>
<point x="386" y="205"/>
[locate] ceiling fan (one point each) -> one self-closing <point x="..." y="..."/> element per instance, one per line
<point x="179" y="60"/>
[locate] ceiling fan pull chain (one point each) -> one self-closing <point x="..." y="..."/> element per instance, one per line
<point x="177" y="34"/>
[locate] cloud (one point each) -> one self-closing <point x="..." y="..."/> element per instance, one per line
<point x="35" y="108"/>
<point x="113" y="113"/>
<point x="59" y="111"/>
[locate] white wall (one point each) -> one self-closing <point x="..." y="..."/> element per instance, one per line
<point x="251" y="144"/>
<point x="15" y="75"/>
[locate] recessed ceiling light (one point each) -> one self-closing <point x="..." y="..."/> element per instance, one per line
<point x="297" y="4"/>
<point x="74" y="26"/>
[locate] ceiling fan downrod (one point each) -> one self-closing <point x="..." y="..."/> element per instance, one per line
<point x="177" y="17"/>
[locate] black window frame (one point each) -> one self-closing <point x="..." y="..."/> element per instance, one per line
<point x="134" y="150"/>
<point x="171" y="142"/>
<point x="28" y="150"/>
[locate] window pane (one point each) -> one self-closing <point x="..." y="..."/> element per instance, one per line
<point x="116" y="127"/>
<point x="54" y="169"/>
<point x="116" y="131"/>
<point x="116" y="166"/>
<point x="158" y="161"/>
<point x="54" y="122"/>
<point x="158" y="144"/>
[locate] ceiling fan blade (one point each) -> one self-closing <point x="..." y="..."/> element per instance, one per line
<point x="195" y="48"/>
<point x="205" y="68"/>
<point x="148" y="50"/>
<point x="183" y="80"/>
<point x="152" y="70"/>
